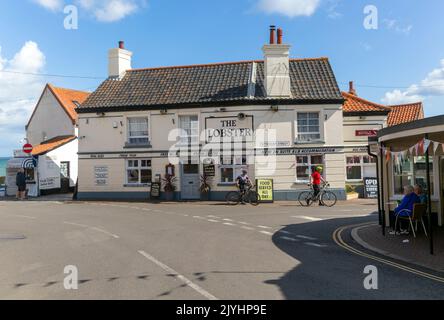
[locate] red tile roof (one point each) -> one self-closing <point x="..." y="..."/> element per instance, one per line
<point x="353" y="103"/>
<point x="405" y="113"/>
<point x="51" y="144"/>
<point x="66" y="98"/>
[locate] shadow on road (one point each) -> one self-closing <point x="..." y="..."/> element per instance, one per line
<point x="324" y="270"/>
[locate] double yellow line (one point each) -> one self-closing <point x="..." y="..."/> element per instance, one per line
<point x="337" y="237"/>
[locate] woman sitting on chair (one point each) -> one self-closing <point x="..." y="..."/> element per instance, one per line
<point x="405" y="208"/>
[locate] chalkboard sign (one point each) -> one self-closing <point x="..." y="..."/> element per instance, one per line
<point x="371" y="188"/>
<point x="209" y="170"/>
<point x="155" y="190"/>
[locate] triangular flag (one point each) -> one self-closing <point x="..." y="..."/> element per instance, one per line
<point x="435" y="146"/>
<point x="420" y="147"/>
<point x="388" y="154"/>
<point x="411" y="150"/>
<point x="426" y="145"/>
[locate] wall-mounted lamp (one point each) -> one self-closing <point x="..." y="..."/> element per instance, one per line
<point x="164" y="111"/>
<point x="115" y="124"/>
<point x="274" y="108"/>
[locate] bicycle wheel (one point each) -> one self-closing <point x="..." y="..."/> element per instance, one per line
<point x="306" y="198"/>
<point x="328" y="199"/>
<point x="233" y="198"/>
<point x="253" y="198"/>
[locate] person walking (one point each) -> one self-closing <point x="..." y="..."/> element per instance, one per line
<point x="316" y="179"/>
<point x="20" y="181"/>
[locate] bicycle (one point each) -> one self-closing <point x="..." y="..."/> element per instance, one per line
<point x="325" y="197"/>
<point x="248" y="196"/>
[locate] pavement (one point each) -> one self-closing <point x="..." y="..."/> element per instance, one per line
<point x="405" y="248"/>
<point x="194" y="251"/>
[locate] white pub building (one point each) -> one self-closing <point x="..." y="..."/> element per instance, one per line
<point x="277" y="117"/>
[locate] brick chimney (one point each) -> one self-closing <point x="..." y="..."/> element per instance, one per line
<point x="351" y="89"/>
<point x="277" y="66"/>
<point x="119" y="61"/>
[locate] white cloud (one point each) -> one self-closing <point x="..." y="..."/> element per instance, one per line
<point x="114" y="10"/>
<point x="102" y="10"/>
<point x="19" y="93"/>
<point x="432" y="85"/>
<point x="289" y="8"/>
<point x="52" y="5"/>
<point x="394" y="25"/>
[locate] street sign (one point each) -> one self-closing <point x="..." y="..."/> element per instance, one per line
<point x="366" y="133"/>
<point x="27" y="148"/>
<point x="265" y="190"/>
<point x="371" y="188"/>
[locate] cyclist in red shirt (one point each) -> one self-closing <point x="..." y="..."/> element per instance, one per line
<point x="316" y="179"/>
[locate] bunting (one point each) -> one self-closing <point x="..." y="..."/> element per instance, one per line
<point x="419" y="149"/>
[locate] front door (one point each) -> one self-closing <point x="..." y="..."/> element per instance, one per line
<point x="190" y="182"/>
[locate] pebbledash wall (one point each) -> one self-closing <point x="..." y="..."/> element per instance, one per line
<point x="103" y="157"/>
<point x="126" y="127"/>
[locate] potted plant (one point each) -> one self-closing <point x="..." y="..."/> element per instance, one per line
<point x="351" y="192"/>
<point x="169" y="186"/>
<point x="205" y="187"/>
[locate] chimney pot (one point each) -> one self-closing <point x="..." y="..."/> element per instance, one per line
<point x="280" y="35"/>
<point x="272" y="34"/>
<point x="352" y="88"/>
<point x="121" y="45"/>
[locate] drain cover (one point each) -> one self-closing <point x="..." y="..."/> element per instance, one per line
<point x="12" y="237"/>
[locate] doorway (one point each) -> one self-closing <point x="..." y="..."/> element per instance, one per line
<point x="190" y="180"/>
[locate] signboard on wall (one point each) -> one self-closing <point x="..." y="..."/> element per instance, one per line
<point x="219" y="128"/>
<point x="371" y="188"/>
<point x="209" y="170"/>
<point x="101" y="175"/>
<point x="48" y="183"/>
<point x="366" y="133"/>
<point x="265" y="190"/>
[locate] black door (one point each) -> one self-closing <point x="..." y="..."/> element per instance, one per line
<point x="64" y="177"/>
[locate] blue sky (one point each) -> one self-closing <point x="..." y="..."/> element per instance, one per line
<point x="401" y="61"/>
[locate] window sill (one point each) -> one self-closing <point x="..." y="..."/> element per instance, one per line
<point x="137" y="145"/>
<point x="141" y="185"/>
<point x="310" y="142"/>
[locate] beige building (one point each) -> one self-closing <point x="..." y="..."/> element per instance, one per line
<point x="286" y="114"/>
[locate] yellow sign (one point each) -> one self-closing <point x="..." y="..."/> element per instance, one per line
<point x="265" y="190"/>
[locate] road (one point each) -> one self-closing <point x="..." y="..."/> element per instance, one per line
<point x="191" y="251"/>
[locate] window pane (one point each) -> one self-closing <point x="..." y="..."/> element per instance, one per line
<point x="302" y="160"/>
<point x="317" y="160"/>
<point x="227" y="174"/>
<point x="354" y="173"/>
<point x="302" y="173"/>
<point x="419" y="167"/>
<point x="400" y="182"/>
<point x="133" y="176"/>
<point x="145" y="176"/>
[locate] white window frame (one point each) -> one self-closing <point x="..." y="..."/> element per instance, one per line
<point x="129" y="137"/>
<point x="320" y="125"/>
<point x="235" y="165"/>
<point x="139" y="168"/>
<point x="196" y="137"/>
<point x="310" y="165"/>
<point x="361" y="164"/>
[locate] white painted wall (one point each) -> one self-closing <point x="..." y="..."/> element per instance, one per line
<point x="49" y="120"/>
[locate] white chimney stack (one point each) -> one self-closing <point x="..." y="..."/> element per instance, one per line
<point x="277" y="66"/>
<point x="119" y="61"/>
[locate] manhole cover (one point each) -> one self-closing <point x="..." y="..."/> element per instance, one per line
<point x="12" y="237"/>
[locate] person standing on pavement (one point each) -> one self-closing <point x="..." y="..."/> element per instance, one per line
<point x="20" y="181"/>
<point x="316" y="179"/>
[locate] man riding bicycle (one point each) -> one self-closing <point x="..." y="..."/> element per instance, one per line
<point x="243" y="181"/>
<point x="316" y="179"/>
